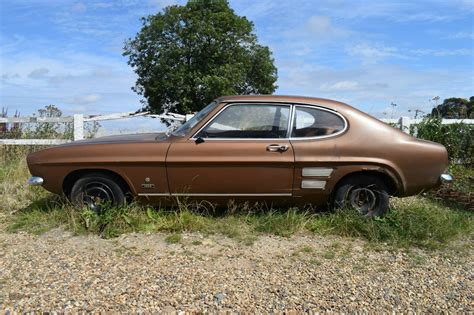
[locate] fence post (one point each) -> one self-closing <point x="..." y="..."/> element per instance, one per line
<point x="404" y="123"/>
<point x="78" y="123"/>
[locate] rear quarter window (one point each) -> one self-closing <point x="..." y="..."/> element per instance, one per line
<point x="314" y="122"/>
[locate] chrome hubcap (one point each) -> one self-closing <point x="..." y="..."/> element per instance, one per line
<point x="96" y="195"/>
<point x="362" y="199"/>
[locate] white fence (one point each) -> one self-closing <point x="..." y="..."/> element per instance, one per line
<point x="78" y="121"/>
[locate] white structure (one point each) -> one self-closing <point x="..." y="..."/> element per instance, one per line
<point x="78" y="121"/>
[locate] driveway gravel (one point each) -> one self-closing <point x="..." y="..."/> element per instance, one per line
<point x="143" y="273"/>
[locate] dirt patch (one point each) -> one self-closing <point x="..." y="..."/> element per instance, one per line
<point x="142" y="272"/>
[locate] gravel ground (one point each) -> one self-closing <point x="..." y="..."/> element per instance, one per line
<point x="141" y="272"/>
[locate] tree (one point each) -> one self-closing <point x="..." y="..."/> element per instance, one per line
<point x="188" y="55"/>
<point x="455" y="108"/>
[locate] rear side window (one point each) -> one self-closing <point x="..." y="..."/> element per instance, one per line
<point x="313" y="122"/>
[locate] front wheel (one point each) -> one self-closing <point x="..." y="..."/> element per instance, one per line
<point x="96" y="191"/>
<point x="366" y="194"/>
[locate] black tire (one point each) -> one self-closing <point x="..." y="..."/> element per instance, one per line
<point x="97" y="191"/>
<point x="364" y="193"/>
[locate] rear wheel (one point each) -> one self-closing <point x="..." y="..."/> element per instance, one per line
<point x="97" y="191"/>
<point x="363" y="193"/>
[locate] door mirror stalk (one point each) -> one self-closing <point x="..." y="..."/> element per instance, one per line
<point x="199" y="140"/>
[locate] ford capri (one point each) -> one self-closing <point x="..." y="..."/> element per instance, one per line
<point x="273" y="149"/>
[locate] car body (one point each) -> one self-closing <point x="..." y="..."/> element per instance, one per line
<point x="269" y="148"/>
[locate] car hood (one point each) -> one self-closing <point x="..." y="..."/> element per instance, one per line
<point x="87" y="148"/>
<point x="140" y="137"/>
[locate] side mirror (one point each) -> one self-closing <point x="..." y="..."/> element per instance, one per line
<point x="199" y="140"/>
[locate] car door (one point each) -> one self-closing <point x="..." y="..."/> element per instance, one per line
<point x="243" y="151"/>
<point x="315" y="141"/>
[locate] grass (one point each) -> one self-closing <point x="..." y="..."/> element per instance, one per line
<point x="174" y="238"/>
<point x="303" y="250"/>
<point x="463" y="178"/>
<point x="414" y="221"/>
<point x="411" y="221"/>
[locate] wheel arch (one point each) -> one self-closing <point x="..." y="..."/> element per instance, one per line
<point x="73" y="176"/>
<point x="394" y="186"/>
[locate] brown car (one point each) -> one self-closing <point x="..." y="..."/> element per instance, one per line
<point x="266" y="148"/>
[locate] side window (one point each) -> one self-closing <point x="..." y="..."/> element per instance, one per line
<point x="314" y="122"/>
<point x="249" y="121"/>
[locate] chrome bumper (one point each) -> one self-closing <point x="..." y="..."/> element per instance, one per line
<point x="35" y="181"/>
<point x="446" y="178"/>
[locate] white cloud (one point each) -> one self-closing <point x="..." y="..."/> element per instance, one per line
<point x="333" y="49"/>
<point x="308" y="39"/>
<point x="79" y="7"/>
<point x="322" y="27"/>
<point x="422" y="17"/>
<point x="340" y="86"/>
<point x="460" y="35"/>
<point x="442" y="52"/>
<point x="84" y="99"/>
<point x="257" y="9"/>
<point x="94" y="83"/>
<point x="162" y="3"/>
<point x="319" y="24"/>
<point x="103" y="5"/>
<point x="468" y="4"/>
<point x="430" y="11"/>
<point x="373" y="53"/>
<point x="38" y="73"/>
<point x="372" y="87"/>
<point x="7" y="76"/>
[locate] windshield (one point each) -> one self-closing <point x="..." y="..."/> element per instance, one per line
<point x="187" y="126"/>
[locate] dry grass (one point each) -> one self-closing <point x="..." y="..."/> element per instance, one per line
<point x="414" y="221"/>
<point x="14" y="189"/>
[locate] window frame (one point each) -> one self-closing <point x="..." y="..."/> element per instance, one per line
<point x="291" y="117"/>
<point x="210" y="121"/>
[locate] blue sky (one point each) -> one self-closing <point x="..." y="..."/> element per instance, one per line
<point x="366" y="53"/>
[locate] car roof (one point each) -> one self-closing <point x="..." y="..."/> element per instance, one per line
<point x="286" y="99"/>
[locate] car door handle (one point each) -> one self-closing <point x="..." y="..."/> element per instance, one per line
<point x="277" y="148"/>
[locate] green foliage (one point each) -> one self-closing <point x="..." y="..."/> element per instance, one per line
<point x="39" y="130"/>
<point x="9" y="131"/>
<point x="454" y="108"/>
<point x="188" y="55"/>
<point x="282" y="223"/>
<point x="457" y="138"/>
<point x="49" y="130"/>
<point x="418" y="222"/>
<point x="174" y="238"/>
<point x="414" y="221"/>
<point x="45" y="130"/>
<point x="463" y="178"/>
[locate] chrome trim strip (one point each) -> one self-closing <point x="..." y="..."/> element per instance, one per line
<point x="35" y="181"/>
<point x="243" y="139"/>
<point x="346" y="124"/>
<point x="313" y="184"/>
<point x="240" y="139"/>
<point x="317" y="171"/>
<point x="232" y="195"/>
<point x="216" y="195"/>
<point x="290" y="123"/>
<point x="446" y="178"/>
